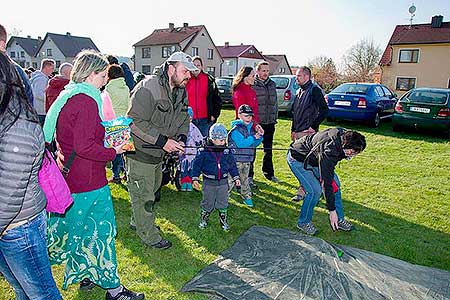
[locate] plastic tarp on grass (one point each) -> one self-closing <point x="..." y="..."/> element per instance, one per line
<point x="267" y="263"/>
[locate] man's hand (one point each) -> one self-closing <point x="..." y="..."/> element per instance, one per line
<point x="212" y="119"/>
<point x="173" y="146"/>
<point x="238" y="182"/>
<point x="196" y="185"/>
<point x="334" y="220"/>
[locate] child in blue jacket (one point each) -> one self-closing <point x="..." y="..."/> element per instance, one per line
<point x="217" y="165"/>
<point x="243" y="140"/>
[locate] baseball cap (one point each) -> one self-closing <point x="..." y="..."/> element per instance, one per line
<point x="183" y="58"/>
<point x="218" y="132"/>
<point x="245" y="109"/>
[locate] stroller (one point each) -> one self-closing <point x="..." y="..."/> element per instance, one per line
<point x="170" y="173"/>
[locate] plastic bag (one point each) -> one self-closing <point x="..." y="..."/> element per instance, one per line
<point x="118" y="131"/>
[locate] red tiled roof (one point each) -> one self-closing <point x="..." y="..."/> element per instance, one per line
<point x="166" y="36"/>
<point x="238" y="51"/>
<point x="417" y="34"/>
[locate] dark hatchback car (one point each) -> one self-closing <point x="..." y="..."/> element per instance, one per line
<point x="426" y="108"/>
<point x="224" y="86"/>
<point x="369" y="102"/>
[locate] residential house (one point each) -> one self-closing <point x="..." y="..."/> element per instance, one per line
<point x="23" y="50"/>
<point x="278" y="64"/>
<point x="153" y="50"/>
<point x="417" y="56"/>
<point x="63" y="47"/>
<point x="236" y="57"/>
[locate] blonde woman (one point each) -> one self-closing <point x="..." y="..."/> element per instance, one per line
<point x="83" y="238"/>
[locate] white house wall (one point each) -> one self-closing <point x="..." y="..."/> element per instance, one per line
<point x="57" y="55"/>
<point x="25" y="61"/>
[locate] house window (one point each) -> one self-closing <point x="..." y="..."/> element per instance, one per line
<point x="12" y="54"/>
<point x="211" y="71"/>
<point x="282" y="70"/>
<point x="251" y="51"/>
<point x="194" y="51"/>
<point x="49" y="52"/>
<point x="405" y="83"/>
<point x="22" y="54"/>
<point x="167" y="51"/>
<point x="58" y="63"/>
<point x="146" y="69"/>
<point x="146" y="52"/>
<point x="210" y="53"/>
<point x="408" y="56"/>
<point x="34" y="65"/>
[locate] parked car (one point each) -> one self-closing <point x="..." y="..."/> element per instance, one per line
<point x="427" y="108"/>
<point x="369" y="102"/>
<point x="224" y="86"/>
<point x="287" y="87"/>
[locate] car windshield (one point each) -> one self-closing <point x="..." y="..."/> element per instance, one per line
<point x="427" y="96"/>
<point x="352" y="89"/>
<point x="223" y="82"/>
<point x="280" y="82"/>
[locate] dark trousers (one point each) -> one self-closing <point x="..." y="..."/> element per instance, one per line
<point x="267" y="165"/>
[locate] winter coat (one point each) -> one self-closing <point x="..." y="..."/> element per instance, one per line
<point x="266" y="94"/>
<point x="39" y="82"/>
<point x="309" y="109"/>
<point x="55" y="86"/>
<point x="21" y="152"/>
<point x="203" y="96"/>
<point x="244" y="94"/>
<point x="120" y="95"/>
<point x="242" y="141"/>
<point x="26" y="83"/>
<point x="326" y="151"/>
<point x="129" y="78"/>
<point x="158" y="114"/>
<point x="214" y="163"/>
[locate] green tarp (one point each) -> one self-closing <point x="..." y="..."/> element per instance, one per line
<point x="267" y="263"/>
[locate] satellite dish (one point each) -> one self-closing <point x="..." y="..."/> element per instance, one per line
<point x="412" y="9"/>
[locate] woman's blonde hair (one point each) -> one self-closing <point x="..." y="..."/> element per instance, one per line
<point x="86" y="62"/>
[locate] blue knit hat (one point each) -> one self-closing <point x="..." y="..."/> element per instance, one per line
<point x="190" y="112"/>
<point x="218" y="132"/>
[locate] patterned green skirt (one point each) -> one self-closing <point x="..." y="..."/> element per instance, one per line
<point x="83" y="239"/>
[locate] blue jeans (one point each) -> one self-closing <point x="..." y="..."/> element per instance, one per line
<point x="203" y="125"/>
<point x="311" y="184"/>
<point x="24" y="261"/>
<point x="117" y="166"/>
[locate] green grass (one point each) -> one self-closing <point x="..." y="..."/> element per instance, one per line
<point x="396" y="193"/>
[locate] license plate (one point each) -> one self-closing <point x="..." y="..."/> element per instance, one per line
<point x="221" y="91"/>
<point x="420" y="109"/>
<point x="342" y="103"/>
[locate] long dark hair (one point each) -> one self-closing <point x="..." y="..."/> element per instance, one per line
<point x="243" y="72"/>
<point x="13" y="100"/>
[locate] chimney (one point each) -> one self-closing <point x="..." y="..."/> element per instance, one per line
<point x="68" y="33"/>
<point x="28" y="36"/>
<point x="39" y="38"/>
<point x="227" y="44"/>
<point x="171" y="26"/>
<point x="242" y="44"/>
<point x="185" y="25"/>
<point x="436" y="21"/>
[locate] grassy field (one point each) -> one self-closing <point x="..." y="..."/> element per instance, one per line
<point x="395" y="193"/>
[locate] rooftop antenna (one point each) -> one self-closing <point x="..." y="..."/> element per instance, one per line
<point x="412" y="10"/>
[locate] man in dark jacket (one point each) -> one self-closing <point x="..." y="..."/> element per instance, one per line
<point x="203" y="97"/>
<point x="161" y="122"/>
<point x="310" y="107"/>
<point x="266" y="94"/>
<point x="312" y="159"/>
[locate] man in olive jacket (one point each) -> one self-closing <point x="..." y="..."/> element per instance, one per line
<point x="161" y="122"/>
<point x="266" y="94"/>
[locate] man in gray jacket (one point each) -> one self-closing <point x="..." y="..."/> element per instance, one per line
<point x="39" y="81"/>
<point x="160" y="125"/>
<point x="266" y="94"/>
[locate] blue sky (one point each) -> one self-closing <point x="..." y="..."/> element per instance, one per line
<point x="301" y="29"/>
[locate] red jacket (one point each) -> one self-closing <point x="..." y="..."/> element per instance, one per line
<point x="197" y="91"/>
<point x="55" y="86"/>
<point x="244" y="94"/>
<point x="79" y="129"/>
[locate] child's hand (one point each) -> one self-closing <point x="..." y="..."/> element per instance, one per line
<point x="238" y="182"/>
<point x="196" y="185"/>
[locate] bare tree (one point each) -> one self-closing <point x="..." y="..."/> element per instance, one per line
<point x="324" y="72"/>
<point x="361" y="60"/>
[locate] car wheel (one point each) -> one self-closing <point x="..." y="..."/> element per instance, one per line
<point x="375" y="122"/>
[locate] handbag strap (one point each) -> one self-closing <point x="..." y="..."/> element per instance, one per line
<point x="66" y="168"/>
